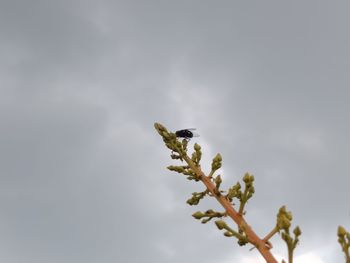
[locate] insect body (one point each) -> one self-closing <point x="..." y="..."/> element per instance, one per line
<point x="186" y="133"/>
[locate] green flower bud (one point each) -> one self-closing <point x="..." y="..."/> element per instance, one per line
<point x="197" y="147"/>
<point x="178" y="169"/>
<point x="171" y="167"/>
<point x="242" y="241"/>
<point x="159" y="127"/>
<point x="297" y="231"/>
<point x="209" y="211"/>
<point x="283" y="210"/>
<point x="341" y="231"/>
<point x="198" y="215"/>
<point x="246" y="178"/>
<point x="228" y="234"/>
<point x="285" y="223"/>
<point x="216" y="164"/>
<point x="220" y="224"/>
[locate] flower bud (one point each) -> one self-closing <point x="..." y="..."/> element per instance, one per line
<point x="341" y="231"/>
<point x="220" y="224"/>
<point x="246" y="178"/>
<point x="198" y="215"/>
<point x="228" y="234"/>
<point x="197" y="147"/>
<point x="159" y="127"/>
<point x="297" y="231"/>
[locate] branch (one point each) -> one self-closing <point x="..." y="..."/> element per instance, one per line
<point x="245" y="233"/>
<point x="253" y="238"/>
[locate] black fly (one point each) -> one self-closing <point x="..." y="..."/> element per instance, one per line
<point x="186" y="133"/>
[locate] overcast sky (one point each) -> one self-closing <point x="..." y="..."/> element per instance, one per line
<point x="82" y="170"/>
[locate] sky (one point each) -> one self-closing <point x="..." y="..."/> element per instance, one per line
<point x="83" y="175"/>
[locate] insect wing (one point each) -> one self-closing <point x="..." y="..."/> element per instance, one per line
<point x="195" y="134"/>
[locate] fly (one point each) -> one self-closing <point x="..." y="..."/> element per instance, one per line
<point x="186" y="133"/>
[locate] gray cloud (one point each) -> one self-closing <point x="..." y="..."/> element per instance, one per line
<point x="81" y="84"/>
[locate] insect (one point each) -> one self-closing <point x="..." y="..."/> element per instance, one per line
<point x="186" y="133"/>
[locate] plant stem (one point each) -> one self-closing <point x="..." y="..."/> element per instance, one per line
<point x="290" y="255"/>
<point x="269" y="235"/>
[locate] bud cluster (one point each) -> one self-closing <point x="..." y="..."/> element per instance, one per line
<point x="283" y="224"/>
<point x="344" y="241"/>
<point x="292" y="243"/>
<point x="249" y="190"/>
<point x="234" y="192"/>
<point x="197" y="154"/>
<point x="284" y="218"/>
<point x="196" y="197"/>
<point x="172" y="142"/>
<point x="248" y="179"/>
<point x="217" y="162"/>
<point x="185" y="170"/>
<point x="242" y="238"/>
<point x="207" y="215"/>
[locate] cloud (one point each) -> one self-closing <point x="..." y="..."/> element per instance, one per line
<point x="83" y="175"/>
